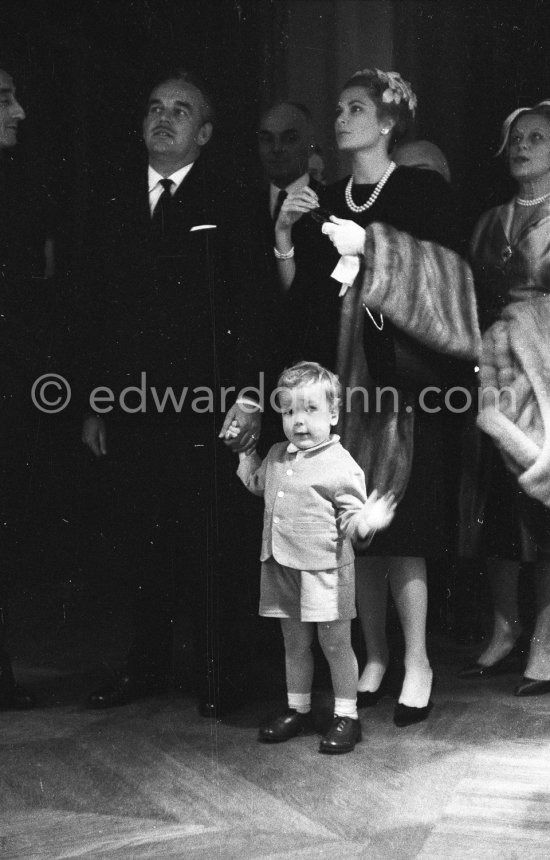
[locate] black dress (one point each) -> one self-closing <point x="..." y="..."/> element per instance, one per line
<point x="418" y="202"/>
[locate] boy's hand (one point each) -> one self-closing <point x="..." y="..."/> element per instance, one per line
<point x="377" y="513"/>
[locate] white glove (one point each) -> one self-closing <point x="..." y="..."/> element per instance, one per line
<point x="347" y="237"/>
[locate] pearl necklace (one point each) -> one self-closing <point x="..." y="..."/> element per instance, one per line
<point x="534" y="201"/>
<point x="349" y="199"/>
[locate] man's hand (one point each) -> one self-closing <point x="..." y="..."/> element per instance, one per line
<point x="249" y="423"/>
<point x="94" y="435"/>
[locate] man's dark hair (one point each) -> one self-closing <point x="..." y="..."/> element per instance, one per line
<point x="301" y="107"/>
<point x="189" y="76"/>
<point x="297" y="105"/>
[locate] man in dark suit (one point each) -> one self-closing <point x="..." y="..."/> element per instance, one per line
<point x="23" y="264"/>
<point x="175" y="294"/>
<point x="285" y="145"/>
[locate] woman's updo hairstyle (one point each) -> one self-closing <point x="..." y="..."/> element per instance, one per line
<point x="393" y="97"/>
<point x="540" y="109"/>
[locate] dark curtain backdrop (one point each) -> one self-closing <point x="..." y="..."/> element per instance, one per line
<point x="473" y="62"/>
<point x="84" y="68"/>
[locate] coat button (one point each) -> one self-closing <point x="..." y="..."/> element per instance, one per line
<point x="289" y="472"/>
<point x="280" y="494"/>
<point x="275" y="519"/>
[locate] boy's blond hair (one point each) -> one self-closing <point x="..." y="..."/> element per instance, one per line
<point x="309" y="373"/>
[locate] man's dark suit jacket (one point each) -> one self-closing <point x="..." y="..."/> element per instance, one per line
<point x="184" y="309"/>
<point x="301" y="232"/>
<point x="290" y="311"/>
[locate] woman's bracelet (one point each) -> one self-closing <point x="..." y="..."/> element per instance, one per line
<point x="280" y="256"/>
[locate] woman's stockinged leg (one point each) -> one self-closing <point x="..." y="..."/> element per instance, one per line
<point x="538" y="666"/>
<point x="298" y="638"/>
<point x="371" y="583"/>
<point x="503" y="581"/>
<point x="335" y="641"/>
<point x="408" y="583"/>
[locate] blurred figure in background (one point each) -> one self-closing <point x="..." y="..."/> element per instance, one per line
<point x="511" y="263"/>
<point x="26" y="262"/>
<point x="286" y="146"/>
<point x="316" y="164"/>
<point x="424" y="154"/>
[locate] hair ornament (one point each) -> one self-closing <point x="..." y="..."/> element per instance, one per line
<point x="397" y="89"/>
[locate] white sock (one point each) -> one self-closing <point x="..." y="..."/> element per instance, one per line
<point x="300" y="702"/>
<point x="346" y="708"/>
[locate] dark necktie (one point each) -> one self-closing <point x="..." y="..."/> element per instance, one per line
<point x="163" y="209"/>
<point x="281" y="197"/>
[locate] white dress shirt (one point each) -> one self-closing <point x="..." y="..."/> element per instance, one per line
<point x="155" y="188"/>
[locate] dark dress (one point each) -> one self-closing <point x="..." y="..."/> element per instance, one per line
<point x="418" y="202"/>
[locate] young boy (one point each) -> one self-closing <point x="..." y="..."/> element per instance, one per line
<point x="316" y="506"/>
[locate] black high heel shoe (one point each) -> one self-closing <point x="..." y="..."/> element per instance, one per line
<point x="370" y="698"/>
<point x="516" y="656"/>
<point x="404" y="715"/>
<point x="532" y="687"/>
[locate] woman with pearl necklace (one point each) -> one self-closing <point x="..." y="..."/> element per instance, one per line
<point x="510" y="255"/>
<point x="375" y="111"/>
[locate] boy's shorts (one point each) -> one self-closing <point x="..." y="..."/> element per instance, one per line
<point x="307" y="595"/>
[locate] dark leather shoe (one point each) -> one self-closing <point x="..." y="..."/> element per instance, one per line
<point x="532" y="687"/>
<point x="342" y="736"/>
<point x="287" y="726"/>
<point x="506" y="664"/>
<point x="16" y="698"/>
<point x="125" y="689"/>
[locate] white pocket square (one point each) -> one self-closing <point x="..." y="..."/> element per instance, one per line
<point x="203" y="227"/>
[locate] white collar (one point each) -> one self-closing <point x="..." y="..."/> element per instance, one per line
<point x="300" y="452"/>
<point x="154" y="177"/>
